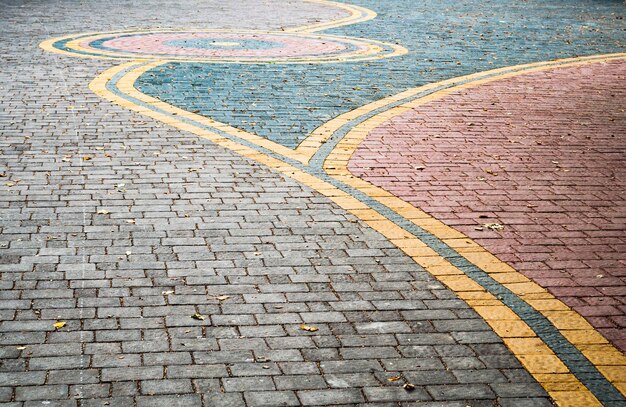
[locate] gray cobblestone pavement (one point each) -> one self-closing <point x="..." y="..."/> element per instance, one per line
<point x="158" y="225"/>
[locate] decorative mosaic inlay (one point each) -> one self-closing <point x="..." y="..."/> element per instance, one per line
<point x="228" y="46"/>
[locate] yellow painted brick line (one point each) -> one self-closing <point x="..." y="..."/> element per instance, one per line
<point x="368" y="50"/>
<point x="574" y="327"/>
<point x="357" y="14"/>
<point x="426" y="257"/>
<point x="358" y="133"/>
<point x="532" y="352"/>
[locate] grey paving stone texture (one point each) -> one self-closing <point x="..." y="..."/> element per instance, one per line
<point x="177" y="242"/>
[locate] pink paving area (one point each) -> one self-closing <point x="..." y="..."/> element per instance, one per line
<point x="285" y="45"/>
<point x="543" y="154"/>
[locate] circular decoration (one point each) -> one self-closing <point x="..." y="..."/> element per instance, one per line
<point x="227" y="46"/>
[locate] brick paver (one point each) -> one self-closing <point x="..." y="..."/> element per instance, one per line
<point x="543" y="155"/>
<point x="178" y="272"/>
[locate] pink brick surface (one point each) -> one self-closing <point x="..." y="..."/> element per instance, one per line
<point x="544" y="154"/>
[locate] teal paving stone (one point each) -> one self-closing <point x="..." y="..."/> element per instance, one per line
<point x="445" y="39"/>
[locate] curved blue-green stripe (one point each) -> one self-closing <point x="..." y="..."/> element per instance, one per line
<point x="576" y="362"/>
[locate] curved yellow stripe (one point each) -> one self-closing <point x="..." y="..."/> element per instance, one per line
<point x="126" y="84"/>
<point x="530" y="350"/>
<point x="535" y="355"/>
<point x="357" y="14"/>
<point x="321" y="134"/>
<point x="371" y="49"/>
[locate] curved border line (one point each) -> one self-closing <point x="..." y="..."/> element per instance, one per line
<point x="572" y="325"/>
<point x="358" y="14"/>
<point x="400" y="101"/>
<point x="126" y="84"/>
<point x="396" y="222"/>
<point x="373" y="49"/>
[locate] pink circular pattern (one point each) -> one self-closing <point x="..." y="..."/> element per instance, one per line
<point x="227" y="45"/>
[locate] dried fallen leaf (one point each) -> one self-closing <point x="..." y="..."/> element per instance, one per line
<point x="198" y="317"/>
<point x="493" y="226"/>
<point x="167" y="292"/>
<point x="20" y="347"/>
<point x="495" y="174"/>
<point x="309" y="328"/>
<point x="133" y="221"/>
<point x="86" y="158"/>
<point x="395" y="378"/>
<point x="223" y="297"/>
<point x="408" y="386"/>
<point x="103" y="212"/>
<point x="10" y="184"/>
<point x="59" y="324"/>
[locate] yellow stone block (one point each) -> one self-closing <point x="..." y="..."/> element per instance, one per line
<point x="511" y="329"/>
<point x="496" y="312"/>
<point x="566" y="319"/>
<point x="527" y="346"/>
<point x="431" y="261"/>
<point x="583" y="336"/>
<point x="348" y="202"/>
<point x="603" y="354"/>
<point x="460" y="283"/>
<point x="419" y="251"/>
<point x="542" y="364"/>
<point x="478" y="296"/>
<point x="442" y="269"/>
<point x="511" y="277"/>
<point x="389" y="229"/>
<point x="613" y="373"/>
<point x="547" y="304"/>
<point x="367" y="214"/>
<point x="525" y="288"/>
<point x="575" y="399"/>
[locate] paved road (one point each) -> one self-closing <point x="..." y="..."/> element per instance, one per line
<point x="194" y="247"/>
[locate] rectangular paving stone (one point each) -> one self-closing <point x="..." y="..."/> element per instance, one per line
<point x="460" y="392"/>
<point x="224" y="399"/>
<point x="196" y="371"/>
<point x="308" y="382"/>
<point x="350" y="366"/>
<point x="170" y="400"/>
<point x="46" y="392"/>
<point x="329" y="397"/>
<point x="22" y="378"/>
<point x="238" y="384"/>
<point x="132" y="373"/>
<point x="382" y="327"/>
<point x="254" y="369"/>
<point x="320" y="317"/>
<point x="90" y="391"/>
<point x="351" y="380"/>
<point x="395" y="394"/>
<point x="78" y="376"/>
<point x="271" y="398"/>
<point x="171" y="386"/>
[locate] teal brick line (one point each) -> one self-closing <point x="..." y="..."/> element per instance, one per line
<point x="445" y="39"/>
<point x="576" y="362"/>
